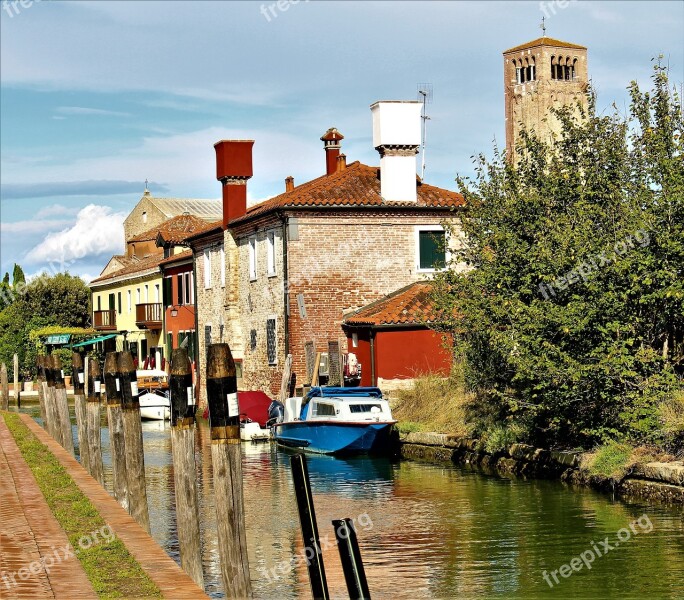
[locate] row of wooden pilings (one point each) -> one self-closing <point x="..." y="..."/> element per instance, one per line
<point x="116" y="387"/>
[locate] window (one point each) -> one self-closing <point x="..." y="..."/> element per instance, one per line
<point x="271" y="341"/>
<point x="137" y="296"/>
<point x="119" y="302"/>
<point x="147" y="293"/>
<point x="323" y="409"/>
<point x="364" y="408"/>
<point x="431" y="249"/>
<point x="156" y="293"/>
<point x="130" y="303"/>
<point x="144" y="217"/>
<point x="207" y="269"/>
<point x="223" y="266"/>
<point x="270" y="249"/>
<point x="168" y="291"/>
<point x="355" y="340"/>
<point x="188" y="292"/>
<point x="207" y="336"/>
<point x="99" y="303"/>
<point x="179" y="289"/>
<point x="252" y="258"/>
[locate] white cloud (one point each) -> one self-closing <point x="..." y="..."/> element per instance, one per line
<point x="54" y="210"/>
<point x="83" y="110"/>
<point x="32" y="226"/>
<point x="97" y="231"/>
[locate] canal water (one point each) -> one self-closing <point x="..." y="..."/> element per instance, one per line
<point x="426" y="531"/>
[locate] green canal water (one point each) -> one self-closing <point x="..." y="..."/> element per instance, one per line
<point x="428" y="531"/>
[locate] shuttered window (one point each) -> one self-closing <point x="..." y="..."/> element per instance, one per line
<point x="432" y="248"/>
<point x="271" y="341"/>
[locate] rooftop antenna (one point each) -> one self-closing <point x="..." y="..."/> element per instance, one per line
<point x="424" y="94"/>
<point x="543" y="26"/>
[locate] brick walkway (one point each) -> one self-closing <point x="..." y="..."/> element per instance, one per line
<point x="29" y="532"/>
<point x="159" y="566"/>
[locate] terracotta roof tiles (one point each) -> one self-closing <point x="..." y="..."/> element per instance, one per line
<point x="173" y="230"/>
<point x="545" y="41"/>
<point x="411" y="305"/>
<point x="357" y="185"/>
<point x="137" y="265"/>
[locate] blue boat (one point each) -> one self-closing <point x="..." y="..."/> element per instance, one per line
<point x="335" y="420"/>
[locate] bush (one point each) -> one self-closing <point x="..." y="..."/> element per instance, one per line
<point x="499" y="437"/>
<point x="671" y="413"/>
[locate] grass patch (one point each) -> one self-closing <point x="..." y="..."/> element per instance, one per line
<point x="111" y="569"/>
<point x="434" y="403"/>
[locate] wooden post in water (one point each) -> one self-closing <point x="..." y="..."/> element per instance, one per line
<point x="185" y="479"/>
<point x="116" y="429"/>
<point x="93" y="419"/>
<point x="16" y="379"/>
<point x="78" y="378"/>
<point x="65" y="435"/>
<point x="40" y="364"/>
<point x="4" y="385"/>
<point x="285" y="381"/>
<point x="51" y="415"/>
<point x="135" y="455"/>
<point x="224" y="420"/>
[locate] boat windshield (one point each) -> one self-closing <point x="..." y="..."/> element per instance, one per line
<point x="365" y="408"/>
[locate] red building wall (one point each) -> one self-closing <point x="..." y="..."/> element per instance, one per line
<point x="185" y="319"/>
<point x="401" y="353"/>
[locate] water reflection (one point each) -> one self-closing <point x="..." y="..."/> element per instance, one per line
<point x="430" y="531"/>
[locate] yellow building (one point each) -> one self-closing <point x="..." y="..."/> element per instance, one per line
<point x="129" y="296"/>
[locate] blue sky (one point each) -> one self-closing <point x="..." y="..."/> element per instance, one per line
<point x="97" y="97"/>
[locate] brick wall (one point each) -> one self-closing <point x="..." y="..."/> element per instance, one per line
<point x="338" y="263"/>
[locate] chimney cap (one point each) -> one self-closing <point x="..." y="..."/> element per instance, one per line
<point x="332" y="135"/>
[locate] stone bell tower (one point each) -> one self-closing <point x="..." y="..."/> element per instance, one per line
<point x="539" y="75"/>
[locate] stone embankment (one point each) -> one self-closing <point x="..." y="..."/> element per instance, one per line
<point x="658" y="482"/>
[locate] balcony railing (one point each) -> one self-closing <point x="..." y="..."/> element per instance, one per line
<point x="148" y="316"/>
<point x="104" y="320"/>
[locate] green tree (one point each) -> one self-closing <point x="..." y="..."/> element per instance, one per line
<point x="18" y="275"/>
<point x="61" y="299"/>
<point x="571" y="318"/>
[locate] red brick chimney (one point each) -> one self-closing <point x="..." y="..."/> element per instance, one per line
<point x="331" y="142"/>
<point x="289" y="183"/>
<point x="233" y="169"/>
<point x="341" y="162"/>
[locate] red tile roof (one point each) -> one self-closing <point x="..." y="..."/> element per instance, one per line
<point x="173" y="230"/>
<point x="411" y="305"/>
<point x="137" y="265"/>
<point x="176" y="257"/>
<point x="545" y="41"/>
<point x="357" y="185"/>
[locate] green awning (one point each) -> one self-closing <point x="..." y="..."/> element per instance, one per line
<point x="102" y="338"/>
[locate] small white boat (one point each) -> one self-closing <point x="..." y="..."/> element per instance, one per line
<point x="155" y="401"/>
<point x="251" y="431"/>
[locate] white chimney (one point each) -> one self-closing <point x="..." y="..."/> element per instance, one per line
<point x="396" y="136"/>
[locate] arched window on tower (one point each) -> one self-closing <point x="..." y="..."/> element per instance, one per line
<point x="566" y="69"/>
<point x="518" y="72"/>
<point x="533" y="70"/>
<point x="553" y="67"/>
<point x="573" y="70"/>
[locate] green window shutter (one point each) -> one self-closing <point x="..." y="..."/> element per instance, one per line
<point x="169" y="347"/>
<point x="432" y="248"/>
<point x="168" y="291"/>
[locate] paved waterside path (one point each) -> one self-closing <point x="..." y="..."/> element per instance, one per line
<point x="21" y="489"/>
<point x="29" y="532"/>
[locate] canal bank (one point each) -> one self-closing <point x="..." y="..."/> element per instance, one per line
<point x="653" y="481"/>
<point x="27" y="568"/>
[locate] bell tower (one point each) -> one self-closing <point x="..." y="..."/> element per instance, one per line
<point x="540" y="75"/>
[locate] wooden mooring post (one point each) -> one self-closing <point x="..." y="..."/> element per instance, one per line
<point x="4" y="387"/>
<point x="94" y="382"/>
<point x="40" y="364"/>
<point x="350" y="557"/>
<point x="78" y="379"/>
<point x="65" y="436"/>
<point x="285" y="381"/>
<point x="51" y="414"/>
<point x="307" y="520"/>
<point x="224" y="421"/>
<point x="16" y="380"/>
<point x="183" y="409"/>
<point x="133" y="441"/>
<point x="116" y="428"/>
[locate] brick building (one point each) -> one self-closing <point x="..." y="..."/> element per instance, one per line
<point x="292" y="267"/>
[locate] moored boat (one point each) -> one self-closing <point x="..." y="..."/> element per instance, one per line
<point x="155" y="402"/>
<point x="334" y="420"/>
